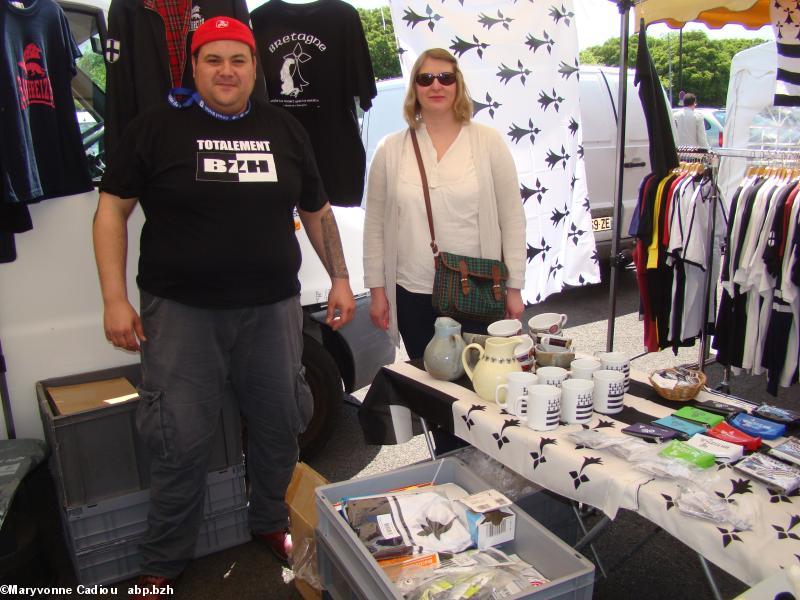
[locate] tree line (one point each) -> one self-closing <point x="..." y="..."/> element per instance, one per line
<point x="704" y="69"/>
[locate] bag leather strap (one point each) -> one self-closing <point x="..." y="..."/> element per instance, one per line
<point x="425" y="192"/>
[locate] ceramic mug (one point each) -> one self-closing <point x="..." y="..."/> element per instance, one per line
<point x="524" y="352"/>
<point x="505" y="328"/>
<point x="544" y="407"/>
<point x="552" y="375"/>
<point x="554" y="341"/>
<point x="515" y="398"/>
<point x="616" y="361"/>
<point x="547" y="323"/>
<point x="609" y="391"/>
<point x="582" y="368"/>
<point x="577" y="400"/>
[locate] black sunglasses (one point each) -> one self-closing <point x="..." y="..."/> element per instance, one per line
<point x="426" y="79"/>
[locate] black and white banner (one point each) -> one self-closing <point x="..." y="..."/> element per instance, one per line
<point x="785" y="17"/>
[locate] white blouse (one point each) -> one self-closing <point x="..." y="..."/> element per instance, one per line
<point x="453" y="185"/>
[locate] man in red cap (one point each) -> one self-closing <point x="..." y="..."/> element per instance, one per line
<point x="218" y="175"/>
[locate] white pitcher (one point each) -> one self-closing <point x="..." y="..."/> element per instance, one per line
<point x="494" y="363"/>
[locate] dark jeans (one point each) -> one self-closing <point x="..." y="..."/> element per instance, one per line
<point x="195" y="359"/>
<point x="415" y="319"/>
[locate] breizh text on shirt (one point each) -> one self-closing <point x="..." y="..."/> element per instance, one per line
<point x="235" y="161"/>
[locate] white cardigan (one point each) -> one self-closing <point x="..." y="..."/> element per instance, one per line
<point x="501" y="216"/>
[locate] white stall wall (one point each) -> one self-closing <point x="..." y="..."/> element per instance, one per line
<point x="50" y="304"/>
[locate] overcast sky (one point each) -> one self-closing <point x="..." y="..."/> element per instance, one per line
<point x="597" y="20"/>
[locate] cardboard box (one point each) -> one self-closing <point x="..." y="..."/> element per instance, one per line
<point x="71" y="399"/>
<point x="301" y="499"/>
<point x="489" y="520"/>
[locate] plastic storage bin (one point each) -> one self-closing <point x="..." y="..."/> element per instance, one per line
<point x="118" y="561"/>
<point x="97" y="454"/>
<point x="125" y="517"/>
<point x="348" y="570"/>
<point x="553" y="512"/>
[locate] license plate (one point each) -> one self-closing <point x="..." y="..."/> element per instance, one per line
<point x="601" y="224"/>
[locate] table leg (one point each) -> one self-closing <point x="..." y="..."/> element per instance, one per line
<point x="428" y="439"/>
<point x="710" y="577"/>
<point x="588" y="536"/>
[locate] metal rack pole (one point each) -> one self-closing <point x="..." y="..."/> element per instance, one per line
<point x="622" y="106"/>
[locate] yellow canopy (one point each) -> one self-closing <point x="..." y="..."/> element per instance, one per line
<point x="752" y="14"/>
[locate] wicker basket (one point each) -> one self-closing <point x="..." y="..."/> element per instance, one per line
<point x="680" y="393"/>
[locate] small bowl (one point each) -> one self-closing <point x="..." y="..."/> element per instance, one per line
<point x="553" y="359"/>
<point x="475" y="338"/>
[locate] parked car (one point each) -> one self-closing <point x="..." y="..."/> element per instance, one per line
<point x="598" y="101"/>
<point x="713" y="126"/>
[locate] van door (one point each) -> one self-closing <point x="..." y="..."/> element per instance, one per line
<point x="88" y="27"/>
<point x="636" y="157"/>
<point x="599" y="141"/>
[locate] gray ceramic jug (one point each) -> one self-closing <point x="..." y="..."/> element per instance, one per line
<point x="442" y="356"/>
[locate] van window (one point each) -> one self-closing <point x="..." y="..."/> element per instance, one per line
<point x="89" y="85"/>
<point x="776" y="127"/>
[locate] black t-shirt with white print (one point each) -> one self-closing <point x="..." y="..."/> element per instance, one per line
<point x="218" y="198"/>
<point x="316" y="61"/>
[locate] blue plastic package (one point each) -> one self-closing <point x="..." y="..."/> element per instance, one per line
<point x="755" y="426"/>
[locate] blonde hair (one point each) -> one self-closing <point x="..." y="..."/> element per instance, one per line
<point x="462" y="106"/>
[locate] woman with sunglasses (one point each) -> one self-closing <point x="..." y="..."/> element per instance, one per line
<point x="475" y="201"/>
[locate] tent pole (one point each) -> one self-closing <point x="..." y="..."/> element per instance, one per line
<point x="622" y="111"/>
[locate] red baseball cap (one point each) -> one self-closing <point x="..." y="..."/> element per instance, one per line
<point x="222" y="28"/>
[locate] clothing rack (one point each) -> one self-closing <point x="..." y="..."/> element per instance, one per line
<point x="712" y="159"/>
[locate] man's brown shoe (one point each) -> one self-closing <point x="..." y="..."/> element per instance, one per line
<point x="153" y="587"/>
<point x="279" y="542"/>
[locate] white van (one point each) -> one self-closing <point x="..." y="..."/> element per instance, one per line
<point x="598" y="100"/>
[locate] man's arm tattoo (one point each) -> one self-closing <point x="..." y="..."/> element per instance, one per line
<point x="334" y="255"/>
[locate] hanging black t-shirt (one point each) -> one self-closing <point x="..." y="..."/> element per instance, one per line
<point x="41" y="155"/>
<point x="219" y="199"/>
<point x="316" y="60"/>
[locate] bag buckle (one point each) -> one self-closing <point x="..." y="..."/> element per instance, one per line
<point x="462" y="266"/>
<point x="496" y="287"/>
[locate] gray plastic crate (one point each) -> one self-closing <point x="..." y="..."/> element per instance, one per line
<point x="120" y="560"/>
<point x="97" y="454"/>
<point x="125" y="517"/>
<point x="553" y="512"/>
<point x="339" y="581"/>
<point x="359" y="576"/>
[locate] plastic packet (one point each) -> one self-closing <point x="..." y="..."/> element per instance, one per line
<point x="455" y="569"/>
<point x="635" y="450"/>
<point x="400" y="525"/>
<point x="771" y="472"/>
<point x="304" y="563"/>
<point x="481" y="583"/>
<point x="669" y="469"/>
<point x="699" y="502"/>
<point x="598" y="440"/>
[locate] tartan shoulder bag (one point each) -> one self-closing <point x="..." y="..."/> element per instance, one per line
<point x="464" y="287"/>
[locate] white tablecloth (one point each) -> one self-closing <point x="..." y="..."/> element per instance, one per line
<point x="603" y="480"/>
